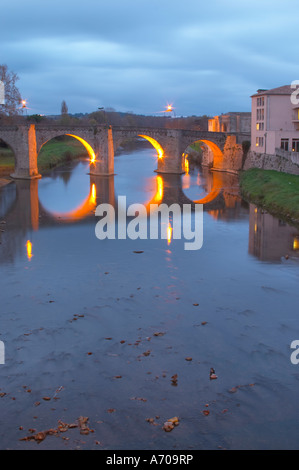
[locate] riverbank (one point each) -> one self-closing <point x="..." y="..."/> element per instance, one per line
<point x="4" y="182"/>
<point x="56" y="152"/>
<point x="276" y="192"/>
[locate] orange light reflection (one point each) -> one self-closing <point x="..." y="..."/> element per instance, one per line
<point x="169" y="234"/>
<point x="84" y="209"/>
<point x="29" y="249"/>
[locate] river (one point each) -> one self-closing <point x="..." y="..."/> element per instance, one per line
<point x="125" y="332"/>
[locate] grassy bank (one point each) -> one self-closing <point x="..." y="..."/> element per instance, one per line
<point x="276" y="192"/>
<point x="54" y="153"/>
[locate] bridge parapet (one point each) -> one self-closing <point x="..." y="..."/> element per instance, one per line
<point x="101" y="141"/>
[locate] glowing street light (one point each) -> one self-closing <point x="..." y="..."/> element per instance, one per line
<point x="169" y="109"/>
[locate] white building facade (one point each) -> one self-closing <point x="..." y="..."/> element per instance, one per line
<point x="275" y="121"/>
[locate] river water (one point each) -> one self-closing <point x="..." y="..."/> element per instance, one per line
<point x="125" y="332"/>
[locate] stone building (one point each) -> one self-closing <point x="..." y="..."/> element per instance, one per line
<point x="230" y="122"/>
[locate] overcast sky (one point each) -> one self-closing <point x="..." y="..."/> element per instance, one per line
<point x="204" y="57"/>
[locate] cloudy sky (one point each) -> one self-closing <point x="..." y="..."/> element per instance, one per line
<point x="204" y="57"/>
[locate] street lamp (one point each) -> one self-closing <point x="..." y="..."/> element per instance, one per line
<point x="169" y="109"/>
<point x="24" y="105"/>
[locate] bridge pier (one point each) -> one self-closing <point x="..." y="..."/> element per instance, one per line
<point x="26" y="154"/>
<point x="104" y="153"/>
<point x="172" y="161"/>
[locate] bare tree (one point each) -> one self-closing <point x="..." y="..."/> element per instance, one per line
<point x="12" y="94"/>
<point x="64" y="109"/>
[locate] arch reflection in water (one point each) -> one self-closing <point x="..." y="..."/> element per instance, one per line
<point x="28" y="214"/>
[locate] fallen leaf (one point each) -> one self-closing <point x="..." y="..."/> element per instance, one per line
<point x="84" y="429"/>
<point x="170" y="424"/>
<point x="146" y="353"/>
<point x="174" y="379"/>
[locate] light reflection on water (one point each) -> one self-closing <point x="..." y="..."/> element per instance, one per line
<point x="140" y="308"/>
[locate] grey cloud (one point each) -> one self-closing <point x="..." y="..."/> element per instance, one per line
<point x="205" y="57"/>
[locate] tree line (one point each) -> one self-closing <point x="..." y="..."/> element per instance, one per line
<point x="12" y="112"/>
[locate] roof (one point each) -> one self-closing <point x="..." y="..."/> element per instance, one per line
<point x="282" y="90"/>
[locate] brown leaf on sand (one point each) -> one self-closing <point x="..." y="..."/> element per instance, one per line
<point x="170" y="424"/>
<point x="82" y="421"/>
<point x="146" y="353"/>
<point x="39" y="436"/>
<point x="174" y="379"/>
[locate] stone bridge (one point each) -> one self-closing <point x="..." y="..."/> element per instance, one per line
<point x="223" y="152"/>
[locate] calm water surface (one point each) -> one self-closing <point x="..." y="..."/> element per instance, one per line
<point x="101" y="330"/>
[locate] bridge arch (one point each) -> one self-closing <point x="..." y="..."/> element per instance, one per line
<point x="157" y="146"/>
<point x="134" y="134"/>
<point x="85" y="145"/>
<point x="212" y="155"/>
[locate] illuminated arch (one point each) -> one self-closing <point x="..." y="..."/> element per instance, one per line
<point x="87" y="146"/>
<point x="217" y="153"/>
<point x="155" y="144"/>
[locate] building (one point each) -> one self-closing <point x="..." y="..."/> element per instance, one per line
<point x="230" y="122"/>
<point x="275" y="121"/>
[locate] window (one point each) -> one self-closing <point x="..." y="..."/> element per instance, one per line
<point x="260" y="114"/>
<point x="261" y="101"/>
<point x="295" y="145"/>
<point x="259" y="142"/>
<point x="260" y="126"/>
<point x="284" y="144"/>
